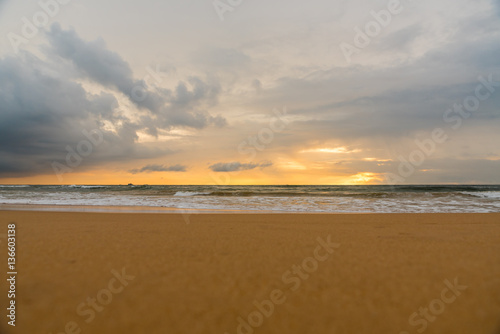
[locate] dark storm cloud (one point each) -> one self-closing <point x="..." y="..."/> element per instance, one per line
<point x="42" y="113"/>
<point x="103" y="66"/>
<point x="237" y="166"/>
<point x="183" y="106"/>
<point x="43" y="110"/>
<point x="159" y="168"/>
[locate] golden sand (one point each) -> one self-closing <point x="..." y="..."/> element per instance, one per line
<point x="254" y="273"/>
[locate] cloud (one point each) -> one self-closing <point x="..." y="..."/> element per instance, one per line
<point x="159" y="168"/>
<point x="400" y="40"/>
<point x="44" y="108"/>
<point x="43" y="112"/>
<point x="222" y="58"/>
<point x="99" y="64"/>
<point x="237" y="166"/>
<point x="472" y="171"/>
<point x="183" y="106"/>
<point x="388" y="101"/>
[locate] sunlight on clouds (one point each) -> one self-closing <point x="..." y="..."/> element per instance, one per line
<point x="108" y="126"/>
<point x="290" y="165"/>
<point x="338" y="150"/>
<point x="377" y="160"/>
<point x="364" y="178"/>
<point x="380" y="162"/>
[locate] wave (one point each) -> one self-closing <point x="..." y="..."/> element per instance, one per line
<point x="406" y="192"/>
<point x="86" y="187"/>
<point x="190" y="193"/>
<point x="484" y="194"/>
<point x="14" y="186"/>
<point x="350" y="194"/>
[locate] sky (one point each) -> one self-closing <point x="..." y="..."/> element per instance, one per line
<point x="250" y="92"/>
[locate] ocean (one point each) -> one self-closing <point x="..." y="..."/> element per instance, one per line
<point x="368" y="199"/>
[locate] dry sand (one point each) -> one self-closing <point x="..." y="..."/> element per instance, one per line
<point x="200" y="274"/>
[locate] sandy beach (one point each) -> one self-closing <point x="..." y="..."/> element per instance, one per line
<point x="253" y="273"/>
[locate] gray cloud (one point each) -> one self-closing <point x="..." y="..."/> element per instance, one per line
<point x="42" y="112"/>
<point x="43" y="108"/>
<point x="184" y="106"/>
<point x="159" y="168"/>
<point x="472" y="171"/>
<point x="222" y="58"/>
<point x="391" y="101"/>
<point x="96" y="62"/>
<point x="237" y="166"/>
<point x="402" y="39"/>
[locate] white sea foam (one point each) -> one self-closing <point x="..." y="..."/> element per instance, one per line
<point x="85" y="187"/>
<point x="190" y="193"/>
<point x="484" y="194"/>
<point x="13" y="186"/>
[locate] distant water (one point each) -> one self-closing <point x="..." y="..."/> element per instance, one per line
<point x="422" y="198"/>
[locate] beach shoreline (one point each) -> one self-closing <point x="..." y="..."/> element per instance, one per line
<point x="166" y="210"/>
<point x="123" y="209"/>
